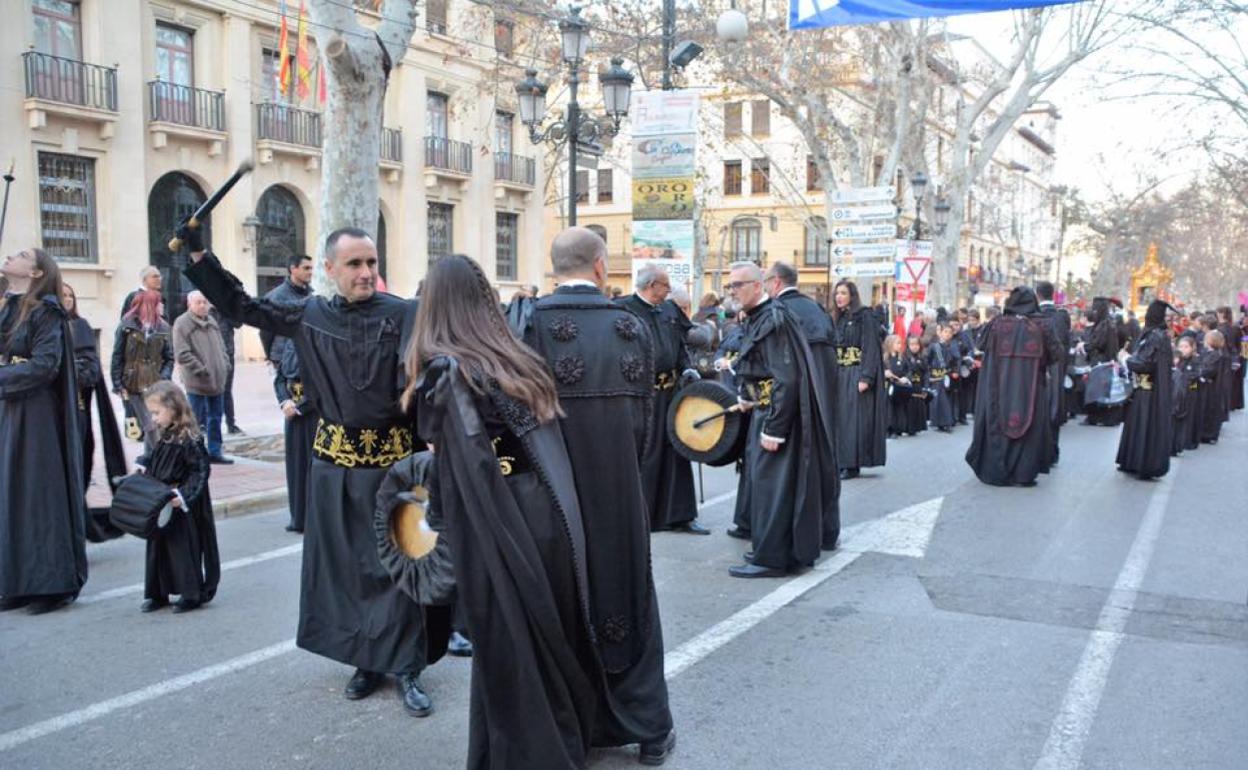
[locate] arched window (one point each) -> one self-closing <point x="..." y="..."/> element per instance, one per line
<point x="598" y="230"/>
<point x="816" y="241"/>
<point x="747" y="240"/>
<point x="174" y="197"/>
<point x="381" y="243"/>
<point x="280" y="236"/>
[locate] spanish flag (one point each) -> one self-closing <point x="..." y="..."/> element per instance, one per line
<point x="304" y="86"/>
<point x="322" y="90"/>
<point x="283" y="71"/>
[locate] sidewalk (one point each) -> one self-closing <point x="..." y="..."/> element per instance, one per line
<point x="248" y="485"/>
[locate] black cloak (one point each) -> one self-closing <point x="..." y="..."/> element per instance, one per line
<point x="1186" y="405"/>
<point x="1148" y="422"/>
<point x="861" y="418"/>
<point x="91" y="385"/>
<point x="1011" y="443"/>
<point x="1102" y="344"/>
<point x="298" y="432"/>
<point x="183" y="558"/>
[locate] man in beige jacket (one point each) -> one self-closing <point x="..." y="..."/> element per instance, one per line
<point x="200" y="354"/>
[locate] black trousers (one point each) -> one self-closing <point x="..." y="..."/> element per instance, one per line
<point x="229" y="395"/>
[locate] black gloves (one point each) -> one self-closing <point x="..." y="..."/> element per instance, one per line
<point x="192" y="237"/>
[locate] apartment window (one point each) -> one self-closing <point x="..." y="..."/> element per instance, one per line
<point x="58" y="30"/>
<point x="504" y="131"/>
<point x="506" y="231"/>
<point x="435" y="16"/>
<point x="67" y="206"/>
<point x="813" y="183"/>
<point x="582" y="187"/>
<point x="271" y="70"/>
<point x="760" y="118"/>
<point x="605" y="180"/>
<point x="732" y="177"/>
<point x="437" y="118"/>
<point x="760" y="176"/>
<point x="747" y="240"/>
<point x="732" y="120"/>
<point x="174" y="55"/>
<point x="816" y="241"/>
<point x="505" y="37"/>
<point x="441" y="228"/>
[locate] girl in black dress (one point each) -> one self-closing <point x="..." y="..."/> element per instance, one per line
<point x="904" y="372"/>
<point x="182" y="558"/>
<point x="1186" y="396"/>
<point x="941" y="366"/>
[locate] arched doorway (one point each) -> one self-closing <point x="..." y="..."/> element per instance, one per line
<point x="174" y="197"/>
<point x="280" y="235"/>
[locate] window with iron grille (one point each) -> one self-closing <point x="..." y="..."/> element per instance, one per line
<point x="760" y="176"/>
<point x="505" y="37"/>
<point x="605" y="180"/>
<point x="67" y="207"/>
<point x="441" y="227"/>
<point x="506" y="237"/>
<point x="816" y="241"/>
<point x="582" y="187"/>
<point x="813" y="182"/>
<point x="435" y="16"/>
<point x="760" y="118"/>
<point x="732" y="119"/>
<point x="747" y="240"/>
<point x="732" y="177"/>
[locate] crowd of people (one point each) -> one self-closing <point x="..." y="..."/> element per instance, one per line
<point x="548" y="524"/>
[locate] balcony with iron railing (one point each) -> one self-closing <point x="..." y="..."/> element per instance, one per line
<point x="285" y="130"/>
<point x="515" y="170"/>
<point x="392" y="146"/>
<point x="75" y="89"/>
<point x="187" y="112"/>
<point x="447" y="156"/>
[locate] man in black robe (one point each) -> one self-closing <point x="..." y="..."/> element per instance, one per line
<point x="780" y="282"/>
<point x="790" y="457"/>
<point x="666" y="476"/>
<point x="602" y="359"/>
<point x="1058" y="320"/>
<point x="350" y="353"/>
<point x="1011" y="444"/>
<point x="1148" y="425"/>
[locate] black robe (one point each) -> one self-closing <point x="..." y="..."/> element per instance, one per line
<point x="298" y="433"/>
<point x="350" y="358"/>
<point x="1102" y="345"/>
<point x="967" y="375"/>
<point x="506" y="497"/>
<point x="601" y="357"/>
<point x="1011" y="443"/>
<point x="793" y="492"/>
<point x="1186" y="405"/>
<point x="908" y="404"/>
<point x="42" y="507"/>
<point x="1059" y="320"/>
<point x="183" y="558"/>
<point x="1239" y="340"/>
<point x="941" y="362"/>
<point x="1211" y="394"/>
<point x="666" y="477"/>
<point x="90" y="383"/>
<point x="1148" y="421"/>
<point x="861" y="418"/>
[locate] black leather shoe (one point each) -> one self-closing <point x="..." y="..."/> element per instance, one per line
<point x="220" y="460"/>
<point x="185" y="605"/>
<point x="16" y="602"/>
<point x="459" y="646"/>
<point x="362" y="684"/>
<point x="293" y="528"/>
<point x="657" y="753"/>
<point x="234" y="430"/>
<point x="415" y="701"/>
<point x="151" y="605"/>
<point x="738" y="533"/>
<point x="755" y="571"/>
<point x="42" y="605"/>
<point x="691" y="528"/>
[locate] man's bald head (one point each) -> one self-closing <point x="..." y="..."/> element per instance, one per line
<point x="575" y="252"/>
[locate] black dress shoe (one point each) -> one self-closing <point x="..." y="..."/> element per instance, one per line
<point x="362" y="684"/>
<point x="738" y="533"/>
<point x="186" y="605"/>
<point x="754" y="571"/>
<point x="657" y="753"/>
<point x="415" y="701"/>
<point x="13" y="603"/>
<point x="41" y="605"/>
<point x="220" y="460"/>
<point x="293" y="528"/>
<point x="691" y="528"/>
<point x="151" y="605"/>
<point x="234" y="430"/>
<point x="459" y="646"/>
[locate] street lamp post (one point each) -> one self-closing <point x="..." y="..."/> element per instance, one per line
<point x="918" y="185"/>
<point x="576" y="128"/>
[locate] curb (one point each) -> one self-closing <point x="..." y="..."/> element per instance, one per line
<point x="255" y="502"/>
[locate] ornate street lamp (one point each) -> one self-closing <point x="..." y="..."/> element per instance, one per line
<point x="942" y="208"/>
<point x="918" y="185"/>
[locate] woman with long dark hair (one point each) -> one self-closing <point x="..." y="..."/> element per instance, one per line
<point x="1102" y="345"/>
<point x="861" y="400"/>
<point x="142" y="356"/>
<point x="43" y="557"/>
<point x="504" y="490"/>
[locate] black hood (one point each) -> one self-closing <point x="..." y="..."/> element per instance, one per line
<point x="1155" y="316"/>
<point x="1022" y="301"/>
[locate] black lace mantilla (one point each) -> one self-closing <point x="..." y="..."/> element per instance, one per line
<point x="627" y="328"/>
<point x="569" y="369"/>
<point x="564" y="329"/>
<point x="514" y="413"/>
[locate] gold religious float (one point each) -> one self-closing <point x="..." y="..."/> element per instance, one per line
<point x="1148" y="280"/>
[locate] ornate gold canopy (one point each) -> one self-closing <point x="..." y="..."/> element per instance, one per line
<point x="1148" y="279"/>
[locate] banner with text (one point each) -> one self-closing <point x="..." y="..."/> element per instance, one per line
<point x="664" y="169"/>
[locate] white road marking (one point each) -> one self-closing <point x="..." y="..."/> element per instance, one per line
<point x="1064" y="748"/>
<point x="716" y="500"/>
<point x="246" y="561"/>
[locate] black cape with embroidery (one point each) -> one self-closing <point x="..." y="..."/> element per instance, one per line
<point x="601" y="356"/>
<point x="793" y="493"/>
<point x="518" y="545"/>
<point x="42" y="507"/>
<point x="183" y="558"/>
<point x="1148" y="422"/>
<point x="861" y="417"/>
<point x="666" y="476"/>
<point x="350" y="359"/>
<point x="91" y="386"/>
<point x="1012" y="441"/>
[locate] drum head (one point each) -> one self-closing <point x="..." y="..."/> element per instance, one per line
<point x="719" y="437"/>
<point x="409" y="531"/>
<point x="410" y="550"/>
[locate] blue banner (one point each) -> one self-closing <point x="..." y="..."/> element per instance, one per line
<point x="813" y="14"/>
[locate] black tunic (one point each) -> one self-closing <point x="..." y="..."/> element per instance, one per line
<point x="601" y="357"/>
<point x="1148" y="422"/>
<point x="299" y="431"/>
<point x="350" y="357"/>
<point x="1186" y="405"/>
<point x="908" y="403"/>
<point x="967" y="378"/>
<point x="1059" y="320"/>
<point x="42" y="508"/>
<point x="1102" y="345"/>
<point x="183" y="558"/>
<point x="941" y="362"/>
<point x="861" y="418"/>
<point x="506" y="498"/>
<point x="793" y="492"/>
<point x="90" y="382"/>
<point x="666" y="477"/>
<point x="1211" y="394"/>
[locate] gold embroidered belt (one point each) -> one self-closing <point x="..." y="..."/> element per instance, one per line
<point x="10" y="361"/>
<point x="350" y="447"/>
<point x="666" y="380"/>
<point x="1194" y="386"/>
<point x="1144" y="381"/>
<point x="938" y="374"/>
<point x="760" y="392"/>
<point x="847" y="355"/>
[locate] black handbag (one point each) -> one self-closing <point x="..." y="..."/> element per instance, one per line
<point x="141" y="506"/>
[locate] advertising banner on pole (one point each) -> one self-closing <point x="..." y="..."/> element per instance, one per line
<point x="668" y="244"/>
<point x="663" y="198"/>
<point x="664" y="160"/>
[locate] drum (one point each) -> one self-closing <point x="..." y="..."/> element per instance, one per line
<point x="700" y="426"/>
<point x="142" y="506"/>
<point x="416" y="557"/>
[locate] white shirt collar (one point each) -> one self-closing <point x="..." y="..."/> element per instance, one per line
<point x="786" y="290"/>
<point x="577" y="282"/>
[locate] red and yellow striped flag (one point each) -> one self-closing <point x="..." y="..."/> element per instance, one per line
<point x="322" y="89"/>
<point x="304" y="85"/>
<point x="283" y="70"/>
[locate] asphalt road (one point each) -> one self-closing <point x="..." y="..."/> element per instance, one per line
<point x="1091" y="621"/>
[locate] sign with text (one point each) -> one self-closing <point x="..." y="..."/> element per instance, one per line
<point x="863" y="195"/>
<point x="663" y="198"/>
<point x="864" y="213"/>
<point x="657" y="113"/>
<point x="855" y="250"/>
<point x="907" y="292"/>
<point x="863" y="232"/>
<point x="666" y="244"/>
<point x="664" y="157"/>
<point x="863" y="269"/>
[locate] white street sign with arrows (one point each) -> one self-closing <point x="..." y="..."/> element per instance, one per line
<point x="863" y="232"/>
<point x="864" y="213"/>
<point x="863" y="269"/>
<point x="863" y="250"/>
<point x="863" y="195"/>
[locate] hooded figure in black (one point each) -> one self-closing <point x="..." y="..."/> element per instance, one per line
<point x="790" y="454"/>
<point x="602" y="359"/>
<point x="861" y="398"/>
<point x="1059" y="320"/>
<point x="1102" y="344"/>
<point x="43" y="557"/>
<point x="1012" y="444"/>
<point x="1148" y="423"/>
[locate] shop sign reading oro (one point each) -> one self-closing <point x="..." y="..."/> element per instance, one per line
<point x="659" y="199"/>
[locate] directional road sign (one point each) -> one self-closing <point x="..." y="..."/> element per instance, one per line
<point x="863" y="195"/>
<point x="863" y="232"/>
<point x="863" y="250"/>
<point x="863" y="269"/>
<point x="864" y="213"/>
